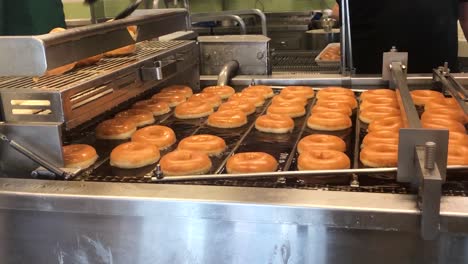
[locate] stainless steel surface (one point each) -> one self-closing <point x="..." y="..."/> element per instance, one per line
<point x="388" y="58"/>
<point x="42" y="139"/>
<point x="455" y="89"/>
<point x="399" y="82"/>
<point x="429" y="155"/>
<point x="33" y="55"/>
<point x="228" y="72"/>
<point x="347" y="66"/>
<point x="220" y="17"/>
<point x="250" y="51"/>
<point x="76" y="97"/>
<point x="318" y="39"/>
<point x="256" y="12"/>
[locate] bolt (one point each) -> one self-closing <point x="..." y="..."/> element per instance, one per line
<point x="429" y="157"/>
<point x="393" y="49"/>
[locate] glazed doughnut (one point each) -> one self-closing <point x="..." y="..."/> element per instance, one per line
<point x="289" y="98"/>
<point x="387" y="123"/>
<point x="213" y="99"/>
<point x="180" y="89"/>
<point x="89" y="61"/>
<point x="381" y="137"/>
<point x="157" y="108"/>
<point x="441" y="123"/>
<point x="172" y="99"/>
<point x="227" y="119"/>
<point x="323" y="160"/>
<point x="457" y="138"/>
<point x="62" y="69"/>
<point x="293" y="110"/>
<point x="442" y="103"/>
<point x="274" y="123"/>
<point x="209" y="144"/>
<point x="255" y="99"/>
<point x="442" y="113"/>
<point x="321" y="142"/>
<point x="334" y="91"/>
<point x="251" y="162"/>
<point x="191" y="110"/>
<point x="185" y="162"/>
<point x="457" y="155"/>
<point x="79" y="156"/>
<point x="223" y="91"/>
<point x="329" y="121"/>
<point x="372" y="113"/>
<point x="245" y="106"/>
<point x="263" y="90"/>
<point x="332" y="107"/>
<point x="379" y="101"/>
<point x="298" y="91"/>
<point x="140" y="116"/>
<point x="338" y="98"/>
<point x="132" y="155"/>
<point x="126" y="50"/>
<point x="377" y="93"/>
<point x="379" y="155"/>
<point x="160" y="136"/>
<point x="421" y="97"/>
<point x="117" y="128"/>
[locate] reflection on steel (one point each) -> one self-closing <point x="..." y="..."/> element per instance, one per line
<point x="347" y="66"/>
<point x="409" y="114"/>
<point x="453" y="87"/>
<point x="209" y="17"/>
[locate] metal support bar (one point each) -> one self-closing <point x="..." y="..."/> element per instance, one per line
<point x="429" y="194"/>
<point x="409" y="114"/>
<point x="257" y="12"/>
<point x="228" y="71"/>
<point x="206" y="18"/>
<point x="347" y="66"/>
<point x="452" y="86"/>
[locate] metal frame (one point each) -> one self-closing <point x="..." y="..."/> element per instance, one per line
<point x="216" y="17"/>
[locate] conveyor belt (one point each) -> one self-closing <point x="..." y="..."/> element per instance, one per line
<point x="300" y="62"/>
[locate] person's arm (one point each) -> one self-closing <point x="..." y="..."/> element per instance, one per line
<point x="463" y="16"/>
<point x="336" y="12"/>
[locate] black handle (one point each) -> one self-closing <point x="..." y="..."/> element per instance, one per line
<point x="129" y="10"/>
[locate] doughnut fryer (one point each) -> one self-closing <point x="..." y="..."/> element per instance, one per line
<point x="409" y="214"/>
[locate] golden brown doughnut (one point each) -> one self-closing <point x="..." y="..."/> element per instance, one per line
<point x="387" y="123"/>
<point x="117" y="128"/>
<point x="140" y="116"/>
<point x="441" y="123"/>
<point x="321" y="142"/>
<point x="209" y="144"/>
<point x="172" y="99"/>
<point x="329" y="121"/>
<point x="251" y="162"/>
<point x="256" y="99"/>
<point x="245" y="106"/>
<point x="79" y="156"/>
<point x="62" y="69"/>
<point x="332" y="107"/>
<point x="274" y="123"/>
<point x="223" y="91"/>
<point x="292" y="110"/>
<point x="442" y="103"/>
<point x="126" y="50"/>
<point x="298" y="91"/>
<point x="457" y="155"/>
<point x="157" y="108"/>
<point x="334" y="91"/>
<point x="379" y="155"/>
<point x="132" y="155"/>
<point x="373" y="113"/>
<point x="457" y="138"/>
<point x="289" y="98"/>
<point x="442" y="113"/>
<point x="338" y="98"/>
<point x="191" y="110"/>
<point x="380" y="137"/>
<point x="377" y="93"/>
<point x="180" y="89"/>
<point x="227" y="119"/>
<point x="323" y="160"/>
<point x="263" y="90"/>
<point x="89" y="61"/>
<point x="421" y="97"/>
<point x="379" y="101"/>
<point x="185" y="162"/>
<point x="212" y="98"/>
<point x="160" y="136"/>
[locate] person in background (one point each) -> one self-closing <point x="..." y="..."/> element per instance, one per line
<point x="426" y="29"/>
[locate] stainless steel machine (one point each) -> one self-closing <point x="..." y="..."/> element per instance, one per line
<point x="416" y="213"/>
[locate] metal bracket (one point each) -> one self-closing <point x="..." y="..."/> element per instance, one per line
<point x="152" y="73"/>
<point x="388" y="58"/>
<point x="449" y="84"/>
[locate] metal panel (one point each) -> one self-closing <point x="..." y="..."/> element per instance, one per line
<point x="39" y="53"/>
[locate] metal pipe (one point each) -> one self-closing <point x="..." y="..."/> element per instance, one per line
<point x="452" y="88"/>
<point x="349" y="54"/>
<point x="257" y="12"/>
<point x="206" y="18"/>
<point x="228" y="71"/>
<point x="343" y="37"/>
